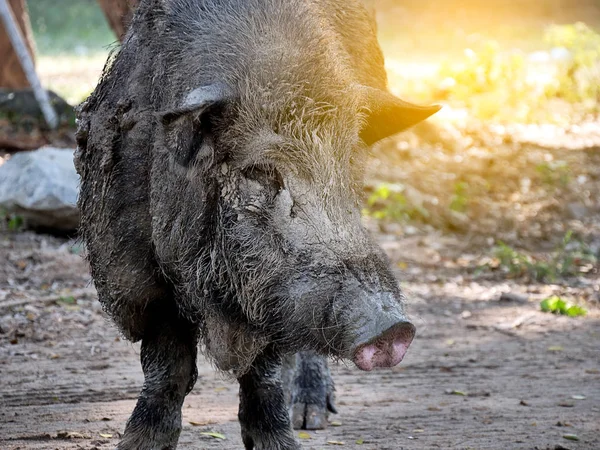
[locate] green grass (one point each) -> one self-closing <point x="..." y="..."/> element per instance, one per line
<point x="567" y="260"/>
<point x="388" y="202"/>
<point x="75" y="27"/>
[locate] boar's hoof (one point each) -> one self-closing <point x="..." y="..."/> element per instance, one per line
<point x="307" y="416"/>
<point x="312" y="392"/>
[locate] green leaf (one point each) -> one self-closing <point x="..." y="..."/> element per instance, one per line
<point x="557" y="305"/>
<point x="15" y="223"/>
<point x="571" y="437"/>
<point x="360" y="441"/>
<point x="213" y="434"/>
<point x="69" y="300"/>
<point x="455" y="392"/>
<point x="545" y="305"/>
<point x="574" y="311"/>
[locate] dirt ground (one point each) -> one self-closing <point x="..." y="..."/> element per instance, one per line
<point x="487" y="369"/>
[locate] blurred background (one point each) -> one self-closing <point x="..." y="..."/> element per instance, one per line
<point x="489" y="211"/>
<point x="508" y="171"/>
<point x="512" y="156"/>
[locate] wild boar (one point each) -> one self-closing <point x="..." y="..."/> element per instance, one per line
<point x="221" y="159"/>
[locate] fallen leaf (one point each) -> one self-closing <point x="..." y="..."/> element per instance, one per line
<point x="335" y="443"/>
<point x="455" y="392"/>
<point x="203" y="423"/>
<point x="578" y="397"/>
<point x="479" y="394"/>
<point x="563" y="424"/>
<point x="213" y="434"/>
<point x="360" y="441"/>
<point x="566" y="404"/>
<point x="555" y="348"/>
<point x="70" y="435"/>
<point x="571" y="437"/>
<point x="418" y="430"/>
<point x="68" y="299"/>
<point x="335" y="423"/>
<point x="106" y="435"/>
<point x="304" y="435"/>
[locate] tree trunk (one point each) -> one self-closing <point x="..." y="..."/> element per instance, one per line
<point x="11" y="73"/>
<point x="118" y="13"/>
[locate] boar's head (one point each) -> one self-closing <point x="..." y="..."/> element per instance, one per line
<point x="283" y="252"/>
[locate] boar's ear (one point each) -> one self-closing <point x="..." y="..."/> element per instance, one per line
<point x="197" y="101"/>
<point x="388" y="115"/>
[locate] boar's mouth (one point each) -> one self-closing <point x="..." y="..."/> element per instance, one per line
<point x="385" y="350"/>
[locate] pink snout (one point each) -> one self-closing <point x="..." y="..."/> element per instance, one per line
<point x="387" y="349"/>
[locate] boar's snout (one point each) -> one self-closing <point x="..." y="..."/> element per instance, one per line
<point x="385" y="350"/>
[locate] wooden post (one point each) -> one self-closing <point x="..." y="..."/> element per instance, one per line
<point x="118" y="14"/>
<point x="20" y="48"/>
<point x="12" y="75"/>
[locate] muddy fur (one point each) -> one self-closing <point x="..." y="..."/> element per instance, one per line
<point x="221" y="162"/>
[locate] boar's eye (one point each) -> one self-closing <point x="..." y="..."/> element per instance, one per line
<point x="266" y="175"/>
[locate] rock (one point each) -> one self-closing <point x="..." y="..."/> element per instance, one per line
<point x="41" y="186"/>
<point x="513" y="297"/>
<point x="22" y="124"/>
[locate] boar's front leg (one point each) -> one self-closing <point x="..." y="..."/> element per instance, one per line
<point x="168" y="357"/>
<point x="310" y="390"/>
<point x="263" y="413"/>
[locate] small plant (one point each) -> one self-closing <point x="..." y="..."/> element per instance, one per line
<point x="578" y="77"/>
<point x="494" y="84"/>
<point x="488" y="82"/>
<point x="520" y="264"/>
<point x="570" y="258"/>
<point x="15" y="222"/>
<point x="459" y="200"/>
<point x="388" y="202"/>
<point x="10" y="221"/>
<point x="554" y="173"/>
<point x="67" y="299"/>
<point x="557" y="305"/>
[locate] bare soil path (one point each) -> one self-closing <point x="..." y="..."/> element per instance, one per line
<point x="483" y="373"/>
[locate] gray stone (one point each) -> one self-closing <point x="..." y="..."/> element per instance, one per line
<point x="41" y="186"/>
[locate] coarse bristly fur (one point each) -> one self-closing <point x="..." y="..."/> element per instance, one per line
<point x="235" y="221"/>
